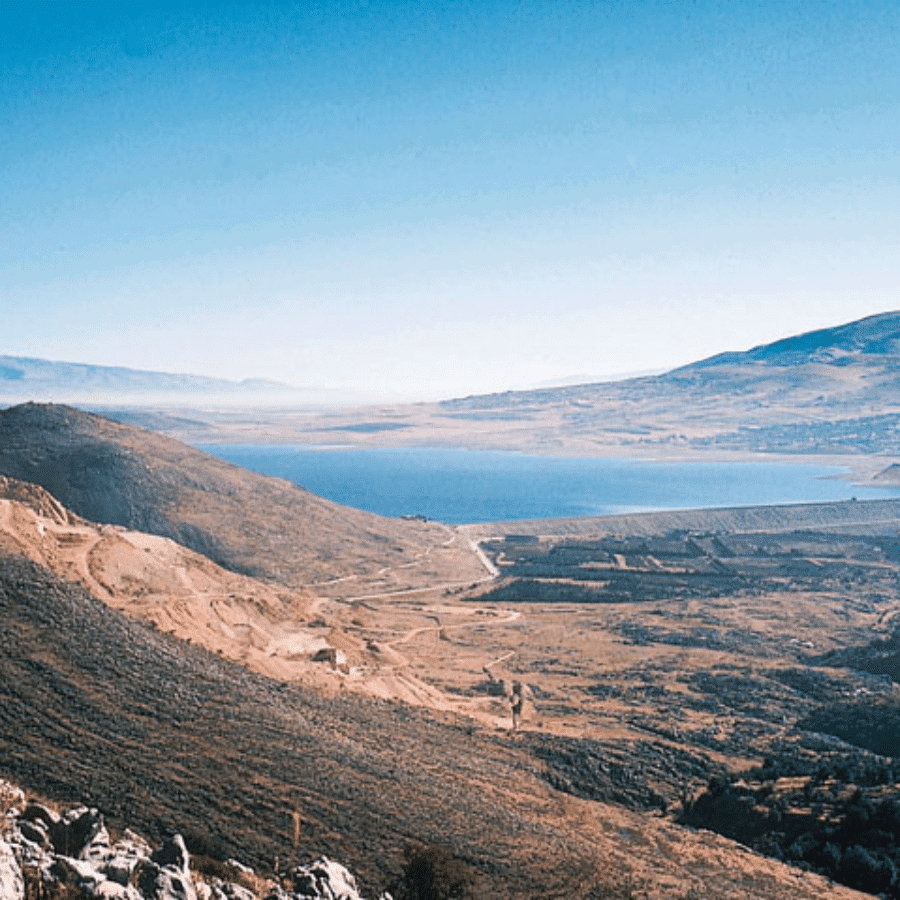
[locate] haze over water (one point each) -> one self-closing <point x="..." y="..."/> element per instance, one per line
<point x="464" y="486"/>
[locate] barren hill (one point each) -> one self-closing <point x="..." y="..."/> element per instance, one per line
<point x="287" y="633"/>
<point x="654" y="661"/>
<point x="831" y="392"/>
<point x="113" y="473"/>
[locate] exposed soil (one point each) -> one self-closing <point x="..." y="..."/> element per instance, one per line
<point x="711" y="640"/>
<point x="264" y="527"/>
<point x="164" y="736"/>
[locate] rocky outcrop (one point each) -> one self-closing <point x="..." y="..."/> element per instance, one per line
<point x="11" y="884"/>
<point x="37" y="499"/>
<point x="74" y="851"/>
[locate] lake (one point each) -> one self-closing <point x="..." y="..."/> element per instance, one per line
<point x="459" y="486"/>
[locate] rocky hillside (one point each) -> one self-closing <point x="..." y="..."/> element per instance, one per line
<point x="45" y="853"/>
<point x="164" y="737"/>
<point x="265" y="527"/>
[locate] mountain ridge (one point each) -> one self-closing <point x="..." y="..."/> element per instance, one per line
<point x="24" y="378"/>
<point x="876" y="334"/>
<point x="830" y="392"/>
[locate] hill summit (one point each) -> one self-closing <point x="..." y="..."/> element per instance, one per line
<point x="266" y="527"/>
<point x="876" y="338"/>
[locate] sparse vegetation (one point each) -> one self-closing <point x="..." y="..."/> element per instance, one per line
<point x="702" y="646"/>
<point x="434" y="872"/>
<point x="839" y="816"/>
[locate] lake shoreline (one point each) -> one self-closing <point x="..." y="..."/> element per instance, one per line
<point x="461" y="486"/>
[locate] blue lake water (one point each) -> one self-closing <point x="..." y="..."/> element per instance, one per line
<point x="458" y="486"/>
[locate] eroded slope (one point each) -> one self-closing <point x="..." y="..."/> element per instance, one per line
<point x="265" y="527"/>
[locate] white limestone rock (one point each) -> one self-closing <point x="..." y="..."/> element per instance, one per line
<point x="324" y="880"/>
<point x="12" y="886"/>
<point x="76" y="872"/>
<point x="75" y="849"/>
<point x="166" y="875"/>
<point x="122" y="858"/>
<point x="223" y="890"/>
<point x="10" y="795"/>
<point x="112" y="890"/>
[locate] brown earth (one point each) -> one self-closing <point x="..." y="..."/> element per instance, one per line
<point x="275" y="630"/>
<point x="656" y="651"/>
<point x="163" y="736"/>
<point x="264" y="527"/>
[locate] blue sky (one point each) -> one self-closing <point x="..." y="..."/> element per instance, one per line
<point x="437" y="199"/>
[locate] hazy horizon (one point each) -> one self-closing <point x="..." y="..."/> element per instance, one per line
<point x="419" y="202"/>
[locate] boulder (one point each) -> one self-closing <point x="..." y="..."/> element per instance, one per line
<point x="76" y="872"/>
<point x="166" y="875"/>
<point x="72" y="834"/>
<point x="122" y="858"/>
<point x="98" y="846"/>
<point x="112" y="890"/>
<point x="75" y="851"/>
<point x="12" y="886"/>
<point x="172" y="854"/>
<point x="223" y="890"/>
<point x="324" y="880"/>
<point x="158" y="883"/>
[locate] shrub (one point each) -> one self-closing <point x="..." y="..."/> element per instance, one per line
<point x="435" y="873"/>
<point x="204" y="843"/>
<point x="224" y="871"/>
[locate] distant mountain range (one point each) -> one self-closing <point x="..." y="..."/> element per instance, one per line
<point x="199" y="711"/>
<point x="25" y="378"/>
<point x="829" y="362"/>
<point x="830" y="392"/>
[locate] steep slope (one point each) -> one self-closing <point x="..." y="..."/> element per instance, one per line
<point x="286" y="633"/>
<point x="269" y="528"/>
<point x="160" y="582"/>
<point x="164" y="736"/>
